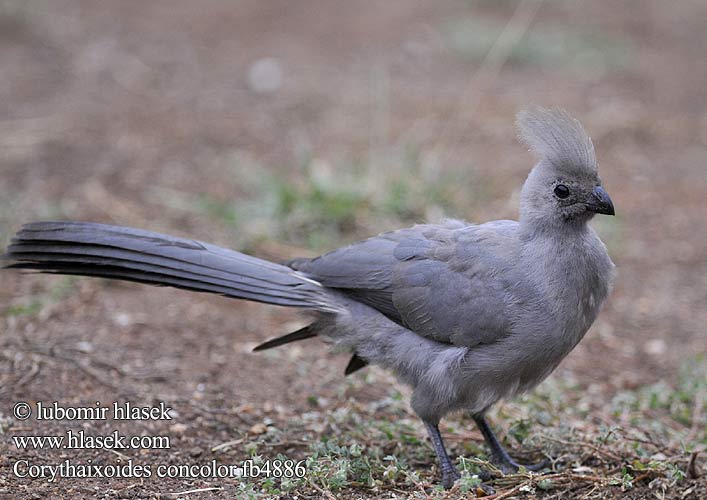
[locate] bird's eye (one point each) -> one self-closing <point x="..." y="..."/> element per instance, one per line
<point x="562" y="191"/>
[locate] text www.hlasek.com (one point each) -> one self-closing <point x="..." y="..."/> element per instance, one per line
<point x="126" y="467"/>
<point x="80" y="440"/>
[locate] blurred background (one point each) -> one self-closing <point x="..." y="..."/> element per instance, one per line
<point x="289" y="128"/>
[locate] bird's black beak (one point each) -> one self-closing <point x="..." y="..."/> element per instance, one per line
<point x="600" y="202"/>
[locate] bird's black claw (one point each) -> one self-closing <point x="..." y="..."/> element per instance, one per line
<point x="543" y="464"/>
<point x="449" y="477"/>
<point x="511" y="466"/>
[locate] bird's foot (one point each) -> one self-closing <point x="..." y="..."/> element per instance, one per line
<point x="449" y="477"/>
<point x="510" y="466"/>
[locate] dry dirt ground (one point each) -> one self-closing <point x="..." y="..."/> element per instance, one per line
<point x="239" y="123"/>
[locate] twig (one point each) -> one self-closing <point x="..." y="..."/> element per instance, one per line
<point x="586" y="495"/>
<point x="106" y="364"/>
<point x="54" y="354"/>
<point x="92" y="373"/>
<point x="285" y="443"/>
<point x="324" y="492"/>
<point x="417" y="484"/>
<point x="575" y="477"/>
<point x="116" y="452"/>
<point x="213" y="411"/>
<point x="200" y="490"/>
<point x="505" y="494"/>
<point x="591" y="446"/>
<point x="227" y="444"/>
<point x="33" y="371"/>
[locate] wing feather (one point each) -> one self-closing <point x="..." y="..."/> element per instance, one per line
<point x="442" y="282"/>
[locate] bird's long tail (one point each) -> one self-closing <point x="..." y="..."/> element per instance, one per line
<point x="85" y="248"/>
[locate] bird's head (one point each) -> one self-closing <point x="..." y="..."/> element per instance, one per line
<point x="564" y="188"/>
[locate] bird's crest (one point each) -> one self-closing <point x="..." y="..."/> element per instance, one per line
<point x="554" y="136"/>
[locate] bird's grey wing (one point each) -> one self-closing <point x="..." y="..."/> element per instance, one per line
<point x="363" y="270"/>
<point x="443" y="282"/>
<point x="454" y="285"/>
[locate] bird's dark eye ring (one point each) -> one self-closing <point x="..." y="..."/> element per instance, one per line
<point x="562" y="191"/>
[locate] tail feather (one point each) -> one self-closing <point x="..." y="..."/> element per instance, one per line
<point x="153" y="279"/>
<point x="355" y="364"/>
<point x="307" y="332"/>
<point x="98" y="258"/>
<point x="134" y="255"/>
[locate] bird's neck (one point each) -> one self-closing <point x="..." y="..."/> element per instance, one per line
<point x="570" y="267"/>
<point x="558" y="257"/>
<point x="572" y="280"/>
<point x="551" y="228"/>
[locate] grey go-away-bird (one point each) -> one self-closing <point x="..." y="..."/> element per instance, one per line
<point x="466" y="314"/>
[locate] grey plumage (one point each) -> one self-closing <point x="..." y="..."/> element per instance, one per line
<point x="465" y="314"/>
<point x="554" y="136"/>
<point x="143" y="256"/>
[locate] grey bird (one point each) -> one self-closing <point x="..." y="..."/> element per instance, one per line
<point x="465" y="314"/>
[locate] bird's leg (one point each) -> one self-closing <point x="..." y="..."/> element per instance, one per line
<point x="449" y="472"/>
<point x="499" y="455"/>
